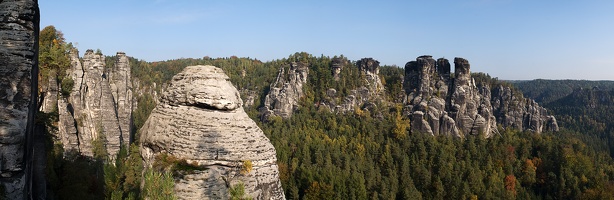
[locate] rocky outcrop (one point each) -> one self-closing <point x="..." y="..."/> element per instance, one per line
<point x="440" y="104"/>
<point x="50" y="99"/>
<point x="121" y="89"/>
<point x="249" y="97"/>
<point x="363" y="97"/>
<point x="200" y="118"/>
<point x="357" y="98"/>
<point x="100" y="104"/>
<point x="521" y="113"/>
<point x="337" y="65"/>
<point x="285" y="92"/>
<point x="19" y="26"/>
<point x="370" y="68"/>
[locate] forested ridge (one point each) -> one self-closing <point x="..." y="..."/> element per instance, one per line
<point x="367" y="153"/>
<point x="547" y="91"/>
<point x="583" y="106"/>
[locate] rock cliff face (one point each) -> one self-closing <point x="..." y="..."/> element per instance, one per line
<point x="19" y="25"/>
<point x="438" y="103"/>
<point x="99" y="106"/>
<point x="363" y="97"/>
<point x="286" y="91"/>
<point x="50" y="100"/>
<point x="121" y="89"/>
<point x="200" y="118"/>
<point x="520" y="113"/>
<point x="370" y="68"/>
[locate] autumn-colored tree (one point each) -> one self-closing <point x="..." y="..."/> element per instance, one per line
<point x="401" y="124"/>
<point x="528" y="176"/>
<point x="510" y="183"/>
<point x="53" y="57"/>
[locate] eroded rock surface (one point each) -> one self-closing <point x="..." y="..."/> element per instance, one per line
<point x="370" y="68"/>
<point x="19" y="25"/>
<point x="285" y="92"/>
<point x="200" y="118"/>
<point x="440" y="104"/>
<point x="99" y="106"/>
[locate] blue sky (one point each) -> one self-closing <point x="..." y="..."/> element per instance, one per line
<point x="508" y="39"/>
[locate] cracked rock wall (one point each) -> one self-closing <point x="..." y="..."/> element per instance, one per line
<point x="100" y="102"/>
<point x="19" y="28"/>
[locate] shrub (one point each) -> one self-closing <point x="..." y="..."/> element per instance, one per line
<point x="247" y="167"/>
<point x="158" y="185"/>
<point x="237" y="192"/>
<point x="66" y="86"/>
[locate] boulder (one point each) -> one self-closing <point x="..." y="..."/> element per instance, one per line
<point x="200" y="119"/>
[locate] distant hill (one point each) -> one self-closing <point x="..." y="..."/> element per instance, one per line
<point x="546" y="91"/>
<point x="586" y="107"/>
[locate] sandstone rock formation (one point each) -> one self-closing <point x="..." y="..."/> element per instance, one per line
<point x="100" y="104"/>
<point x="337" y="65"/>
<point x="121" y="89"/>
<point x="200" y="118"/>
<point x="520" y="113"/>
<point x="286" y="91"/>
<point x="363" y="97"/>
<point x="370" y="68"/>
<point x="438" y="103"/>
<point x="50" y="100"/>
<point x="19" y="26"/>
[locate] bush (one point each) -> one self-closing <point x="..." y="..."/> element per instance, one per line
<point x="237" y="192"/>
<point x="66" y="86"/>
<point x="165" y="162"/>
<point x="247" y="167"/>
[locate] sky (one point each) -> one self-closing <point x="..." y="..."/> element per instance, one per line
<point x="508" y="39"/>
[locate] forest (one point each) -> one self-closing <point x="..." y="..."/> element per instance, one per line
<point x="366" y="154"/>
